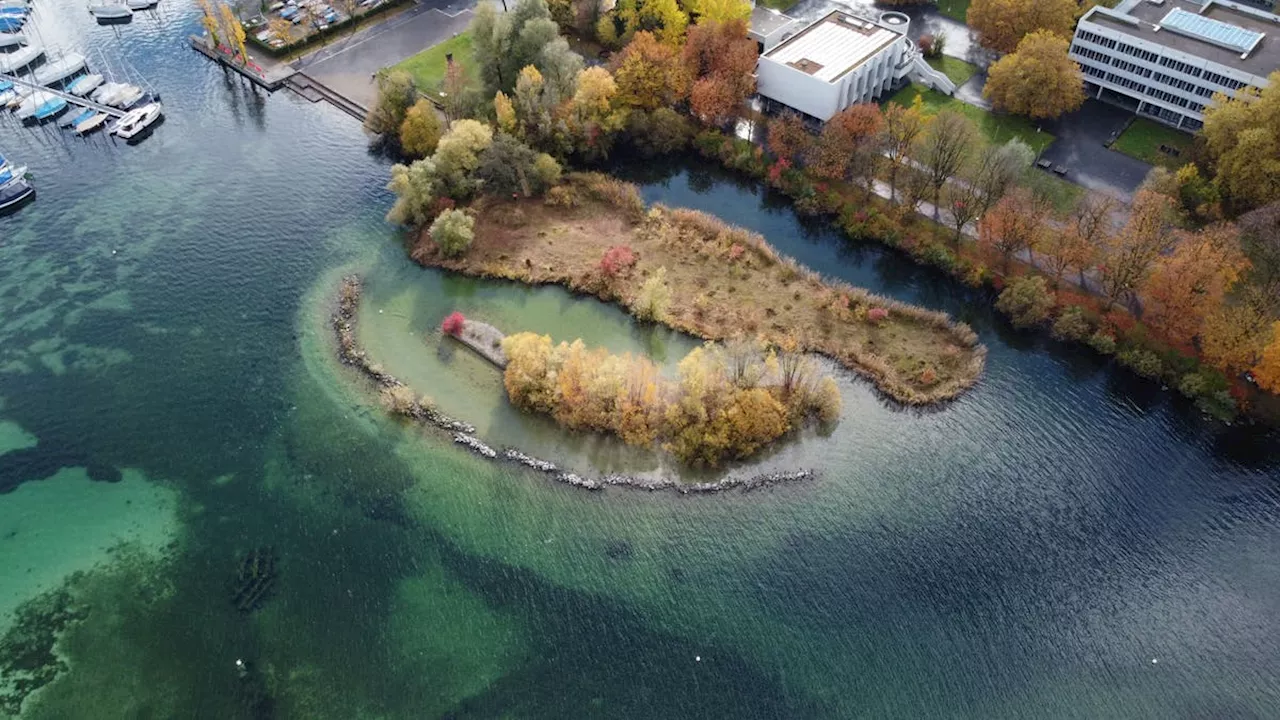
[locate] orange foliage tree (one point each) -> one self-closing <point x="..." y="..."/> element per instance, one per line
<point x="849" y="146"/>
<point x="1267" y="372"/>
<point x="789" y="139"/>
<point x="1132" y="252"/>
<point x="1016" y="223"/>
<point x="649" y="74"/>
<point x="1190" y="283"/>
<point x="721" y="59"/>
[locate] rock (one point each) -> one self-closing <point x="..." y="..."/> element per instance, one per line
<point x="255" y="579"/>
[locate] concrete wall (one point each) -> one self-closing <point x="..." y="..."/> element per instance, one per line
<point x="803" y="92"/>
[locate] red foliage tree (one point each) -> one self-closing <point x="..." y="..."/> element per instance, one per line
<point x="721" y="61"/>
<point x="452" y="324"/>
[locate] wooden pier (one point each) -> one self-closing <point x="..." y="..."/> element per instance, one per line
<point x="270" y="75"/>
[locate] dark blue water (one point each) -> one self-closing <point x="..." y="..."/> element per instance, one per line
<point x="1027" y="551"/>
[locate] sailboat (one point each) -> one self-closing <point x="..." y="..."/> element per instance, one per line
<point x="49" y="108"/>
<point x="14" y="4"/>
<point x="74" y="119"/>
<point x="107" y="10"/>
<point x="33" y="103"/>
<point x="60" y="69"/>
<point x="12" y="23"/>
<point x="15" y="61"/>
<point x="85" y="127"/>
<point x="83" y="85"/>
<point x="8" y="40"/>
<point x="14" y="187"/>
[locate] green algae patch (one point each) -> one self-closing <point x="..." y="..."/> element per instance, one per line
<point x="13" y="437"/>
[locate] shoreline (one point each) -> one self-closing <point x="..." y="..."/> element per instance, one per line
<point x="343" y="322"/>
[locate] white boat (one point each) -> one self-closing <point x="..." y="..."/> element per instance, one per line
<point x="92" y="124"/>
<point x="119" y="91"/>
<point x="12" y="39"/>
<point x="13" y="4"/>
<point x="83" y="86"/>
<point x="141" y="4"/>
<point x="103" y="90"/>
<point x="60" y="69"/>
<point x="136" y="121"/>
<point x="33" y="103"/>
<point x="6" y="97"/>
<point x="19" y="59"/>
<point x="110" y="10"/>
<point x="129" y="96"/>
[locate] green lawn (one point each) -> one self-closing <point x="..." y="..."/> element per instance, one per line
<point x="956" y="69"/>
<point x="954" y="9"/>
<point x="427" y="67"/>
<point x="996" y="128"/>
<point x="782" y="5"/>
<point x="1143" y="140"/>
<point x="1064" y="194"/>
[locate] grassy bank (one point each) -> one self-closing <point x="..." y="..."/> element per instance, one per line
<point x="996" y="128"/>
<point x="954" y="9"/>
<point x="1143" y="138"/>
<point x="956" y="70"/>
<point x="428" y="66"/>
<point x="723" y="282"/>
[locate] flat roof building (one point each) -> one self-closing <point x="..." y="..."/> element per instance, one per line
<point x="1167" y="58"/>
<point x="841" y="60"/>
<point x="770" y="27"/>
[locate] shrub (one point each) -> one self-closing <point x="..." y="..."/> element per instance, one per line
<point x="877" y="315"/>
<point x="1142" y="362"/>
<point x="561" y="196"/>
<point x="654" y="297"/>
<point x="1192" y="385"/>
<point x="928" y="376"/>
<point x="1027" y="301"/>
<point x="453" y="232"/>
<point x="617" y="260"/>
<point x="420" y="131"/>
<point x="1103" y="342"/>
<point x="453" y="323"/>
<point x="1072" y="325"/>
<point x="401" y="400"/>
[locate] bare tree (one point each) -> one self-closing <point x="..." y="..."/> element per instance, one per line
<point x="943" y="148"/>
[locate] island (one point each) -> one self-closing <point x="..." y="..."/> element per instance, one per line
<point x="688" y="270"/>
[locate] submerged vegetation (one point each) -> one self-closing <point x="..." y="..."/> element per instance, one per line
<point x="728" y="402"/>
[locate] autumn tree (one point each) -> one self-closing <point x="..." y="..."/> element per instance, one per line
<point x="720" y="10"/>
<point x="1242" y="134"/>
<point x="395" y="96"/>
<point x="1027" y="301"/>
<point x="452" y="231"/>
<point x="789" y="139"/>
<point x="505" y="43"/>
<point x="1039" y="80"/>
<point x="1016" y="223"/>
<point x="995" y="168"/>
<point x="721" y="60"/>
<point x="1188" y="284"/>
<point x="1130" y="253"/>
<point x="849" y="146"/>
<point x="649" y="74"/>
<point x="963" y="204"/>
<point x="663" y="18"/>
<point x="902" y="125"/>
<point x="1260" y="234"/>
<point x="594" y="117"/>
<point x="653" y="298"/>
<point x="1234" y="337"/>
<point x="420" y="130"/>
<point x="1002" y="24"/>
<point x="1267" y="371"/>
<point x="943" y="148"/>
<point x="508" y="166"/>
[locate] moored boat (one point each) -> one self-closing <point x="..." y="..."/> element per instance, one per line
<point x="74" y="119"/>
<point x="49" y="108"/>
<point x="93" y="123"/>
<point x="84" y="85"/>
<point x="15" y="61"/>
<point x="128" y="97"/>
<point x="60" y="69"/>
<point x="12" y="24"/>
<point x="110" y="11"/>
<point x="8" y="40"/>
<point x="135" y="121"/>
<point x="141" y="4"/>
<point x="14" y="188"/>
<point x="33" y="102"/>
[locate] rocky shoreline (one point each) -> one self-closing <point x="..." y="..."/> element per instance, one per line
<point x="351" y="355"/>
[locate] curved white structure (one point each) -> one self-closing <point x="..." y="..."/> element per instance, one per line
<point x="84" y="85"/>
<point x="110" y="11"/>
<point x="8" y="40"/>
<point x="60" y="69"/>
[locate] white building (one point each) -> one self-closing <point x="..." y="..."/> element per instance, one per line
<point x="770" y="27"/>
<point x="1167" y="58"/>
<point x="841" y="60"/>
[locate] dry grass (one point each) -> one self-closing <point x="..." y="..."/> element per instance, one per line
<point x="725" y="281"/>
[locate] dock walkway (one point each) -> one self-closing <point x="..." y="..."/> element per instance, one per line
<point x="269" y="74"/>
<point x="73" y="99"/>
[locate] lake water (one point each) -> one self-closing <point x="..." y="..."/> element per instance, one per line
<point x="1063" y="541"/>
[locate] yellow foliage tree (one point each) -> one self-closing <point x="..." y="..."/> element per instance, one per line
<point x="1267" y="371"/>
<point x="649" y="74"/>
<point x="719" y="10"/>
<point x="1234" y="337"/>
<point x="420" y="131"/>
<point x="1190" y="283"/>
<point x="1002" y="24"/>
<point x="1243" y="137"/>
<point x="1038" y="80"/>
<point x="505" y="112"/>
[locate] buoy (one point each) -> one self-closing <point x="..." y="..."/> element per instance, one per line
<point x="1154" y="661"/>
<point x="697" y="658"/>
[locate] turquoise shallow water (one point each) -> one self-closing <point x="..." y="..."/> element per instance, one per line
<point x="1027" y="551"/>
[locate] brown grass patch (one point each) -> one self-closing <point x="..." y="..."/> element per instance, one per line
<point x="725" y="281"/>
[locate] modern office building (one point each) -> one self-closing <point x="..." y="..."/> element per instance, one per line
<point x="1166" y="59"/>
<point x="840" y="60"/>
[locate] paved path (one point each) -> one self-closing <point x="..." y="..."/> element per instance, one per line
<point x="347" y="66"/>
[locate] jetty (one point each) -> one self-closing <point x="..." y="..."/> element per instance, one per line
<point x="268" y="74"/>
<point x="71" y="99"/>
